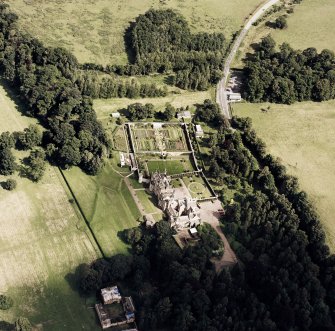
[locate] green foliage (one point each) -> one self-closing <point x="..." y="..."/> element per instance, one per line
<point x="211" y="238"/>
<point x="44" y="78"/>
<point x="162" y="41"/>
<point x="90" y="84"/>
<point x="5" y="302"/>
<point x="35" y="165"/>
<point x="281" y="22"/>
<point x="138" y="111"/>
<point x="208" y="112"/>
<point x="9" y="184"/>
<point x="22" y="324"/>
<point x="29" y="138"/>
<point x="169" y="112"/>
<point x="289" y="75"/>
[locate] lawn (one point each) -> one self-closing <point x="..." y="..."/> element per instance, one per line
<point x="147" y="202"/>
<point x="106" y="203"/>
<point x="302" y="136"/>
<point x="94" y="30"/>
<point x="43" y="239"/>
<point x="197" y="187"/>
<point x="172" y="167"/>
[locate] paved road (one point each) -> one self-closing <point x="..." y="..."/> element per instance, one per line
<point x="221" y="95"/>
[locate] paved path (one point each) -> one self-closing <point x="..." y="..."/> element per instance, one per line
<point x="221" y="95"/>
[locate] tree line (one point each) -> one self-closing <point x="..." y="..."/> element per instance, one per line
<point x="288" y="75"/>
<point x="44" y="78"/>
<point x="92" y="85"/>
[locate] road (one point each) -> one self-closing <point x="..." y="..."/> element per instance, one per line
<point x="221" y="95"/>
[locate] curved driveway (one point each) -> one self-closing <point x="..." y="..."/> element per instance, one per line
<point x="221" y="95"/>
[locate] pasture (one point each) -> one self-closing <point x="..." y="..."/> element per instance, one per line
<point x="43" y="239"/>
<point x="302" y="136"/>
<point x="107" y="204"/>
<point x="94" y="30"/>
<point x="311" y="25"/>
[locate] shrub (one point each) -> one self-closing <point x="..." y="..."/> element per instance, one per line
<point x="10" y="184"/>
<point x="5" y="302"/>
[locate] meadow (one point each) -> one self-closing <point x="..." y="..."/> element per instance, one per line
<point x="310" y="25"/>
<point x="43" y="239"/>
<point x="104" y="107"/>
<point x="106" y="202"/>
<point x="94" y="30"/>
<point x="302" y="136"/>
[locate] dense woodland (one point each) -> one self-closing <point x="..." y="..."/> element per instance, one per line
<point x="285" y="278"/>
<point x="44" y="79"/>
<point x="161" y="41"/>
<point x="92" y="85"/>
<point x="288" y="75"/>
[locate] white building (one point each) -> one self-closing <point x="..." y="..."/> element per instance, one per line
<point x="234" y="97"/>
<point x="199" y="132"/>
<point x="157" y="125"/>
<point x="110" y="295"/>
<point x="116" y="115"/>
<point x="122" y="160"/>
<point x="184" y="114"/>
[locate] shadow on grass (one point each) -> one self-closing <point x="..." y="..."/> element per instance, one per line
<point x="5" y="326"/>
<point x="128" y="45"/>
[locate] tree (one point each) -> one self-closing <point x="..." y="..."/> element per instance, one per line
<point x="9" y="184"/>
<point x="169" y="112"/>
<point x="7" y="162"/>
<point x="29" y="138"/>
<point x="281" y="22"/>
<point x="35" y="165"/>
<point x="22" y="324"/>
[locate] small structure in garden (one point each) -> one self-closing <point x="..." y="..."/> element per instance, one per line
<point x="199" y="132"/>
<point x="186" y="114"/>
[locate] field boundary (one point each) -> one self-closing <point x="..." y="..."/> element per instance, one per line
<point x="82" y="214"/>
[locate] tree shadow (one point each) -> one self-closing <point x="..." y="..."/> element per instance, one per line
<point x="14" y="95"/>
<point x="270" y="25"/>
<point x="5" y="326"/>
<point x="169" y="80"/>
<point x="128" y="44"/>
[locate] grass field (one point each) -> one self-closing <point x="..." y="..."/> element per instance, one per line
<point x="106" y="203"/>
<point x="104" y="107"/>
<point x="311" y="25"/>
<point x="43" y="239"/>
<point x="93" y="30"/>
<point x="302" y="136"/>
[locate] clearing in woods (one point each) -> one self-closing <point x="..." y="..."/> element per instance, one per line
<point x="42" y="240"/>
<point x="302" y="136"/>
<point x="94" y="30"/>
